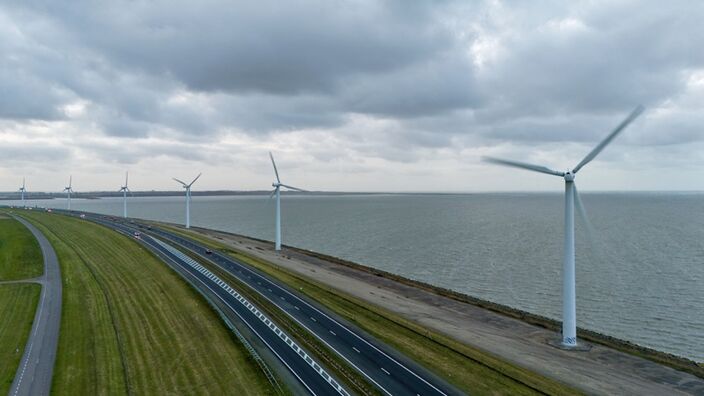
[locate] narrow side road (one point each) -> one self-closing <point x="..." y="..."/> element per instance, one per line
<point x="36" y="368"/>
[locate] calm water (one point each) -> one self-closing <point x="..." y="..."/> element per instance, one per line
<point x="644" y="282"/>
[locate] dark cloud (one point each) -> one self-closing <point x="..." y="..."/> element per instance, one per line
<point x="381" y="80"/>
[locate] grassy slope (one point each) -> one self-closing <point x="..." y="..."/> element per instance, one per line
<point x="131" y="325"/>
<point x="471" y="370"/>
<point x="17" y="305"/>
<point x="20" y="256"/>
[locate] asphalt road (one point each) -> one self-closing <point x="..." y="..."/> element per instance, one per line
<point x="36" y="368"/>
<point x="390" y="372"/>
<point x="310" y="373"/>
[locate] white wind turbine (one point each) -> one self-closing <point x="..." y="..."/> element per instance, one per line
<point x="22" y="191"/>
<point x="188" y="198"/>
<point x="569" y="315"/>
<point x="277" y="191"/>
<point x="69" y="190"/>
<point x="124" y="189"/>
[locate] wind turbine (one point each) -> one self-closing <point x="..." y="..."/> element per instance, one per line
<point x="277" y="191"/>
<point x="188" y="198"/>
<point x="22" y="191"/>
<point x="69" y="190"/>
<point x="124" y="189"/>
<point x="569" y="305"/>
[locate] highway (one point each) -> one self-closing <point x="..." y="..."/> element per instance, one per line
<point x="34" y="374"/>
<point x="391" y="373"/>
<point x="310" y="373"/>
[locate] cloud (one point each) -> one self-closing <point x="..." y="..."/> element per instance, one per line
<point x="360" y="85"/>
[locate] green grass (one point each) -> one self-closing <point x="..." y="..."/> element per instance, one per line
<point x="18" y="302"/>
<point x="130" y="325"/>
<point x="20" y="256"/>
<point x="469" y="369"/>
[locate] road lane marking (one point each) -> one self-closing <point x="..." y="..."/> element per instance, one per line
<point x="386" y="371"/>
<point x="189" y="261"/>
<point x="251" y="274"/>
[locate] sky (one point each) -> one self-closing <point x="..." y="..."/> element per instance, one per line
<point x="349" y="95"/>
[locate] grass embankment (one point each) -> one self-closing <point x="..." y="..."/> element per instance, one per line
<point x="20" y="256"/>
<point x="18" y="302"/>
<point x="470" y="369"/>
<point x="130" y="325"/>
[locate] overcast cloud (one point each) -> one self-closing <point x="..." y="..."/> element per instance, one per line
<point x="349" y="95"/>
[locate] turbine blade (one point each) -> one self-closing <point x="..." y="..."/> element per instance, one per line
<point x="276" y="171"/>
<point x="596" y="249"/>
<point x="634" y="114"/>
<point x="583" y="214"/>
<point x="70" y="180"/>
<point x="523" y="165"/>
<point x="194" y="180"/>
<point x="126" y="176"/>
<point x="294" y="188"/>
<point x="184" y="184"/>
<point x="272" y="194"/>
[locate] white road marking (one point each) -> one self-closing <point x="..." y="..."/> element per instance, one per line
<point x="386" y="371"/>
<point x="356" y="350"/>
<point x="31" y="345"/>
<point x="332" y="332"/>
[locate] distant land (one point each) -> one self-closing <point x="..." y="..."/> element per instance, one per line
<point x="153" y="193"/>
<point x="14" y="195"/>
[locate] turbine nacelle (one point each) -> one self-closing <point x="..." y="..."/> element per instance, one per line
<point x="569" y="175"/>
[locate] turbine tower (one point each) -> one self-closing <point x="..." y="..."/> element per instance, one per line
<point x="277" y="191"/>
<point x="124" y="189"/>
<point x="188" y="198"/>
<point x="22" y="191"/>
<point x="569" y="308"/>
<point x="69" y="190"/>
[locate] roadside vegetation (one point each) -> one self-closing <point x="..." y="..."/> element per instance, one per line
<point x="18" y="302"/>
<point x="130" y="325"/>
<point x="20" y="255"/>
<point x="469" y="369"/>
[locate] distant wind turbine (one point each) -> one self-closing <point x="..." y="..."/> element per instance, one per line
<point x="188" y="198"/>
<point x="69" y="190"/>
<point x="277" y="191"/>
<point x="569" y="314"/>
<point x="124" y="189"/>
<point x="22" y="191"/>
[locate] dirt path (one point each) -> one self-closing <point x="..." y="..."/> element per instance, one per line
<point x="601" y="370"/>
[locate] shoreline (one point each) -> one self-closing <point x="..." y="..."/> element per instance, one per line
<point x="682" y="363"/>
<point x="610" y="366"/>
